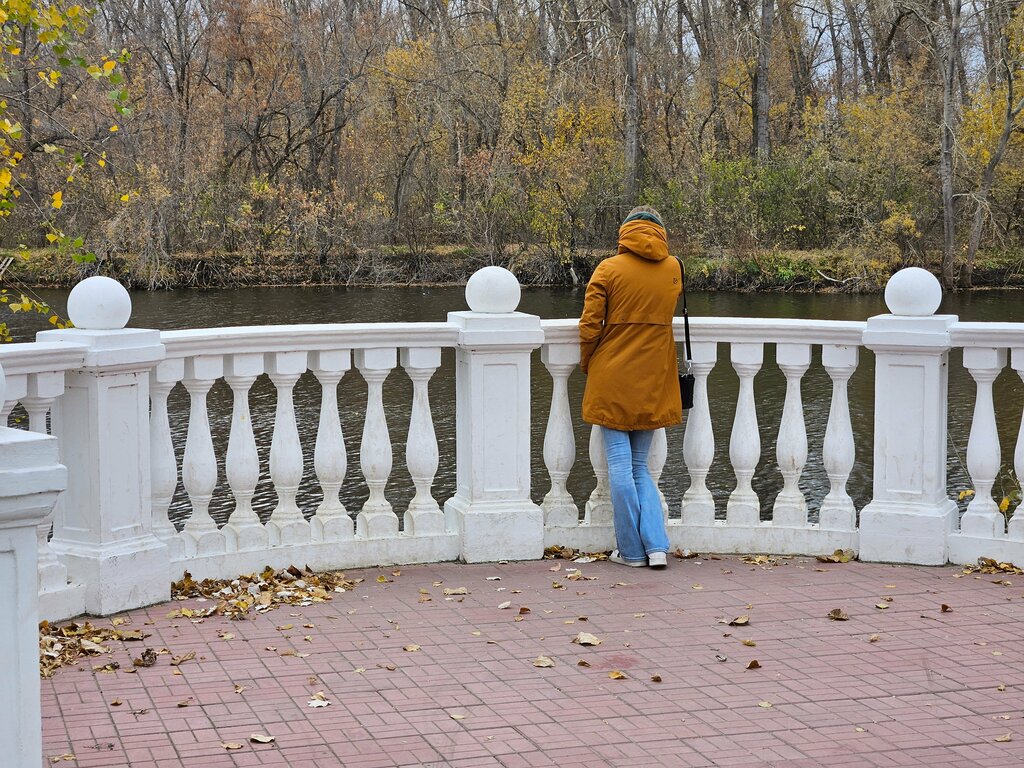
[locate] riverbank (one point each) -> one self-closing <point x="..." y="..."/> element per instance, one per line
<point x="834" y="271"/>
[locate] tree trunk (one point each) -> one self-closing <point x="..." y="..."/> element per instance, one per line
<point x="631" y="180"/>
<point x="761" y="102"/>
<point x="949" y="54"/>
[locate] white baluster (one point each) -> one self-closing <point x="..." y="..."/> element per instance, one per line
<point x="744" y="507"/>
<point x="424" y="517"/>
<point x="983" y="517"/>
<point x="656" y="458"/>
<point x="790" y="507"/>
<point x="243" y="530"/>
<point x="1016" y="524"/>
<point x="698" y="506"/>
<point x="163" y="463"/>
<point x="43" y="390"/>
<point x="598" y="510"/>
<point x="199" y="465"/>
<point x="17" y="388"/>
<point x="286" y="525"/>
<point x="559" y="441"/>
<point x="376" y="519"/>
<point x="838" y="451"/>
<point x="332" y="521"/>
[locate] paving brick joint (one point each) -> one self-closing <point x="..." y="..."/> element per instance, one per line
<point x="931" y="688"/>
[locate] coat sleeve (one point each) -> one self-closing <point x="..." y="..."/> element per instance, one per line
<point x="592" y="319"/>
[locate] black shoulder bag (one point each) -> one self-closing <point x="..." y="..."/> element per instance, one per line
<point x="686" y="380"/>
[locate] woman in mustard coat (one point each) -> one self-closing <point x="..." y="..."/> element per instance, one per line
<point x="628" y="353"/>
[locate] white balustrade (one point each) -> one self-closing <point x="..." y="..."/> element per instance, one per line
<point x="838" y="452"/>
<point x="983" y="517"/>
<point x="199" y="464"/>
<point x="331" y="521"/>
<point x="790" y="507"/>
<point x="744" y="507"/>
<point x="598" y="510"/>
<point x="243" y="531"/>
<point x="163" y="463"/>
<point x="559" y="441"/>
<point x="376" y="519"/>
<point x="698" y="505"/>
<point x="287" y="524"/>
<point x="424" y="516"/>
<point x="1015" y="528"/>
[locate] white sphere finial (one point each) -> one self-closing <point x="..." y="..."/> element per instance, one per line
<point x="99" y="304"/>
<point x="913" y="292"/>
<point x="493" y="290"/>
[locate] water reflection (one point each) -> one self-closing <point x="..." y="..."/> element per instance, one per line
<point x="196" y="309"/>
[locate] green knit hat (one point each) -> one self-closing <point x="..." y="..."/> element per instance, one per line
<point x="645" y="216"/>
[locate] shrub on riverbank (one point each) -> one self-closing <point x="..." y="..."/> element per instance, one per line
<point x="850" y="270"/>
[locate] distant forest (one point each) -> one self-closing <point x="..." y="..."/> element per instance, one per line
<point x="324" y="126"/>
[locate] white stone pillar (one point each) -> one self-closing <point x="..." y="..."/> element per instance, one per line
<point x="909" y="518"/>
<point x="30" y="479"/>
<point x="491" y="509"/>
<point x="559" y="442"/>
<point x="103" y="529"/>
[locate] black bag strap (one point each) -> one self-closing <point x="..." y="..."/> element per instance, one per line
<point x="686" y="316"/>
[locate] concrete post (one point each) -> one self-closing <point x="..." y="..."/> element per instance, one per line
<point x="103" y="527"/>
<point x="909" y="518"/>
<point x="30" y="479"/>
<point x="491" y="509"/>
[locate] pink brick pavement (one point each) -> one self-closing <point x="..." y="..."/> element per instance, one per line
<point x="926" y="693"/>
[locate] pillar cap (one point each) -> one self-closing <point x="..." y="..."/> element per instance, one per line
<point x="99" y="304"/>
<point x="493" y="290"/>
<point x="913" y="292"/>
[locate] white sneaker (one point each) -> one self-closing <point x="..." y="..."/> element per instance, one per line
<point x="616" y="558"/>
<point x="657" y="560"/>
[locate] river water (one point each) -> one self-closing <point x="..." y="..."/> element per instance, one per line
<point x="196" y="309"/>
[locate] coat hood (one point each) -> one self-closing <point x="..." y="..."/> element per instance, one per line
<point x="644" y="239"/>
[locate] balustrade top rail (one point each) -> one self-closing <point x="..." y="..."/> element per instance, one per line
<point x="1001" y="335"/>
<point x="311" y="337"/>
<point x="36" y="357"/>
<point x="738" y="329"/>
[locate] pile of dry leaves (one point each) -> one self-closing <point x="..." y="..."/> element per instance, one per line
<point x="988" y="565"/>
<point x="66" y="645"/>
<point x="260" y="593"/>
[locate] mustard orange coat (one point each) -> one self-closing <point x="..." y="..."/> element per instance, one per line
<point x="626" y="344"/>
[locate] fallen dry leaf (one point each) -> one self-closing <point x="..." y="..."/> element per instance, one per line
<point x="838" y="614"/>
<point x="231" y="745"/>
<point x="881" y="606"/>
<point x="447" y="592"/>
<point x="411" y="648"/>
<point x="839" y="556"/>
<point x="179" y="660"/>
<point x="585" y="638"/>
<point x="749" y="643"/>
<point x="262" y="738"/>
<point x="874" y="638"/>
<point x="116" y="703"/>
<point x="740" y="621"/>
<point x="616" y="675"/>
<point x="754" y="664"/>
<point x="655" y="678"/>
<point x="1000" y="687"/>
<point x="1004" y="738"/>
<point x="543" y="661"/>
<point x="720" y="658"/>
<point x="764" y="704"/>
<point x="697" y="586"/>
<point x="240" y="688"/>
<point x="506" y="604"/>
<point x="454" y="716"/>
<point x="582" y="663"/>
<point x="318" y="700"/>
<point x="945" y="609"/>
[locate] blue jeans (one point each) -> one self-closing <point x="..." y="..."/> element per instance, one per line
<point x="639" y="520"/>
